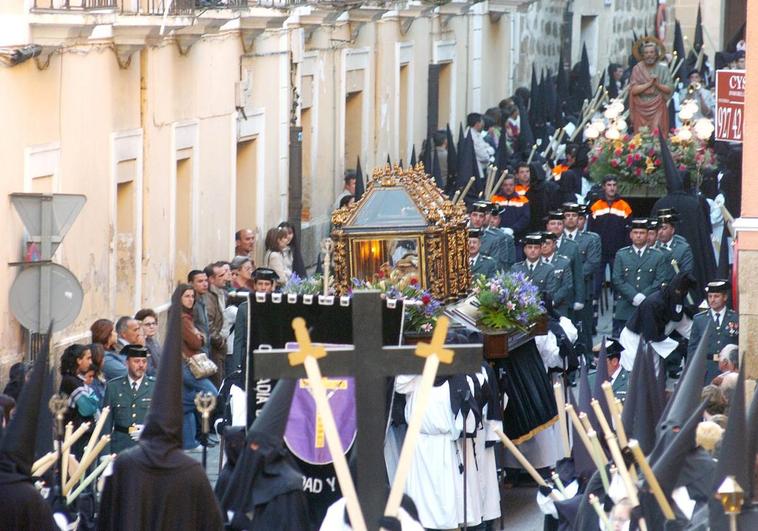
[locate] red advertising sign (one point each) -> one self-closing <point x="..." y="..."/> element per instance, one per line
<point x="730" y="103"/>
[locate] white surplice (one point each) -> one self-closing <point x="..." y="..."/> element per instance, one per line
<point x="434" y="470"/>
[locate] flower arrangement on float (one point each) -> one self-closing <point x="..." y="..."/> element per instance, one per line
<point x="421" y="309"/>
<point x="312" y="285"/>
<point x="509" y="304"/>
<point x="507" y="301"/>
<point x="635" y="158"/>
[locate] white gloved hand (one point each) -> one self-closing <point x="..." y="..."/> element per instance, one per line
<point x="578" y="306"/>
<point x="637" y="300"/>
<point x="135" y="434"/>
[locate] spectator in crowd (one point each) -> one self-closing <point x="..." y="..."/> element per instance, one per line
<point x="346" y="200"/>
<point x="275" y="257"/>
<point x="244" y="243"/>
<point x="440" y="146"/>
<point x="227" y="267"/>
<point x="349" y="189"/>
<point x="7" y="404"/>
<point x="83" y="405"/>
<point x="482" y="150"/>
<point x="193" y="342"/>
<point x="293" y="248"/>
<point x="97" y="381"/>
<point x="616" y="82"/>
<point x="242" y="273"/>
<point x="149" y="321"/>
<point x="729" y="363"/>
<point x="15" y="380"/>
<point x="199" y="282"/>
<point x="215" y="302"/>
<point x="489" y="132"/>
<point x="715" y="401"/>
<point x="104" y="340"/>
<point x="129" y="331"/>
<point x="512" y="124"/>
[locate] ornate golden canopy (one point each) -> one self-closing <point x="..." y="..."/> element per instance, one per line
<point x="403" y="221"/>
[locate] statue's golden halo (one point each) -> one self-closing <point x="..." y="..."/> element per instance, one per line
<point x="639" y="43"/>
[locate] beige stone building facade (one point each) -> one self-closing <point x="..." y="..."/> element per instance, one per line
<point x="174" y="119"/>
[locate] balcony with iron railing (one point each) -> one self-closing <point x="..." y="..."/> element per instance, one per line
<point x="190" y="7"/>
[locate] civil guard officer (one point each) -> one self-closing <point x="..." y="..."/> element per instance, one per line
<point x="535" y="269"/>
<point x="590" y="253"/>
<point x="479" y="263"/>
<point x="493" y="242"/>
<point x="677" y="251"/>
<point x="725" y="331"/>
<point x="638" y="271"/>
<point x="493" y="221"/>
<point x="563" y="294"/>
<point x="129" y="398"/>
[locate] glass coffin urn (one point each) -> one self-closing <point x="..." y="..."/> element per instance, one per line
<point x="403" y="221"/>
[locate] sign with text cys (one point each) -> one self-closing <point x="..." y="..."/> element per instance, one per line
<point x="730" y="105"/>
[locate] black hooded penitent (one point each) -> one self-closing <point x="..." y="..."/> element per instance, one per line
<point x="265" y="490"/>
<point x="22" y="507"/>
<point x="692" y="224"/>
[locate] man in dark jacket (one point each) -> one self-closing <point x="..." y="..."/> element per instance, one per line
<point x="609" y="218"/>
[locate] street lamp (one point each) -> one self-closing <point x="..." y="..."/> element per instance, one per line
<point x="731" y="496"/>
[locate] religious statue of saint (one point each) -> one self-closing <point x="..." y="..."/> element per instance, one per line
<point x="649" y="89"/>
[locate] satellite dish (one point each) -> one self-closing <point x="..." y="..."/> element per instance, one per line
<point x="66" y="298"/>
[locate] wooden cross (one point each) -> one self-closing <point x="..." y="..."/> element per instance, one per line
<point x="370" y="364"/>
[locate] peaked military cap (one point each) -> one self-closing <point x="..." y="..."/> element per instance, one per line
<point x="134" y="351"/>
<point x="481" y="206"/>
<point x="475" y="233"/>
<point x="668" y="217"/>
<point x="265" y="273"/>
<point x="534" y="238"/>
<point x="639" y="223"/>
<point x="718" y="286"/>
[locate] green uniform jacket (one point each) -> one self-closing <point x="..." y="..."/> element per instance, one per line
<point x="681" y="252"/>
<point x="620" y="385"/>
<point x="727" y="333"/>
<point x="590" y="252"/>
<point x="564" y="281"/>
<point x="484" y="265"/>
<point x="127" y="408"/>
<point x="543" y="275"/>
<point x="633" y="274"/>
<point x="570" y="249"/>
<point x="499" y="246"/>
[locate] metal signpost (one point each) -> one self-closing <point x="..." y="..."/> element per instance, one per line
<point x="44" y="291"/>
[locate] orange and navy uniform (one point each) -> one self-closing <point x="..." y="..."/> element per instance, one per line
<point x="610" y="220"/>
<point x="522" y="190"/>
<point x="516" y="213"/>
